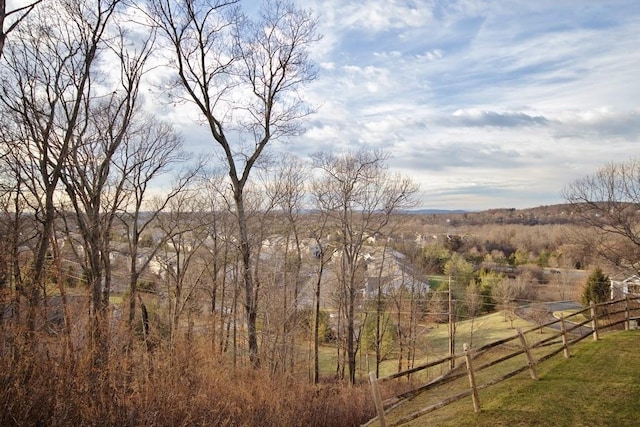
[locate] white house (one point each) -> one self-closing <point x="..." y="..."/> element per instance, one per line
<point x="626" y="287"/>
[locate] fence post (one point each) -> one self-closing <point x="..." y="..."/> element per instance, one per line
<point x="627" y="317"/>
<point x="594" y="321"/>
<point x="472" y="379"/>
<point x="377" y="399"/>
<point x="565" y="342"/>
<point x="530" y="362"/>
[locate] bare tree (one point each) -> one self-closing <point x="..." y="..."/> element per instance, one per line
<point x="185" y="227"/>
<point x="608" y="203"/>
<point x="437" y="303"/>
<point x="359" y="197"/>
<point x="408" y="300"/>
<point x="461" y="273"/>
<point x="509" y="293"/>
<point x="16" y="16"/>
<point x="222" y="255"/>
<point x="561" y="283"/>
<point x="46" y="91"/>
<point x="17" y="227"/>
<point x="323" y="251"/>
<point x="286" y="187"/>
<point x="539" y="313"/>
<point x="384" y="277"/>
<point x="243" y="77"/>
<point x="97" y="170"/>
<point x="473" y="304"/>
<point x="262" y="199"/>
<point x="150" y="149"/>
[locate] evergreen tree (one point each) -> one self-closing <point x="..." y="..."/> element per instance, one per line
<point x="597" y="288"/>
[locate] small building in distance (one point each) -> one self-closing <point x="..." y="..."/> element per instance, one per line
<point x="627" y="287"/>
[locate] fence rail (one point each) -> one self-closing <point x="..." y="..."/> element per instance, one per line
<point x="571" y="330"/>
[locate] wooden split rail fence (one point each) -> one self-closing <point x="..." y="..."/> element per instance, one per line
<point x="589" y="321"/>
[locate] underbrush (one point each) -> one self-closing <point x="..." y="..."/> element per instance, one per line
<point x="43" y="384"/>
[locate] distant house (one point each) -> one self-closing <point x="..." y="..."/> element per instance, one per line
<point x="390" y="285"/>
<point x="389" y="273"/>
<point x="625" y="287"/>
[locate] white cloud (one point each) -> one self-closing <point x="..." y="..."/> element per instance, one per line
<point x="432" y="55"/>
<point x="484" y="103"/>
<point x="375" y="16"/>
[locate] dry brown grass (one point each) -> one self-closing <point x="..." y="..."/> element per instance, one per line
<point x="40" y="385"/>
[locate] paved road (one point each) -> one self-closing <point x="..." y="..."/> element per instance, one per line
<point x="562" y="305"/>
<point x="568" y="305"/>
<point x="553" y="307"/>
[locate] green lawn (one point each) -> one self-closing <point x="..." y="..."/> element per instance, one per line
<point x="598" y="386"/>
<point x="433" y="343"/>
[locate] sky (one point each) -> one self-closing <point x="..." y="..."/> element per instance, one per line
<point x="484" y="104"/>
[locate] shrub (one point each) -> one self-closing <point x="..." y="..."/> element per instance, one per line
<point x="597" y="288"/>
<point x="181" y="385"/>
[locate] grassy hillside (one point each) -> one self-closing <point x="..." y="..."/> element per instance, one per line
<point x="598" y="386"/>
<point x="434" y="342"/>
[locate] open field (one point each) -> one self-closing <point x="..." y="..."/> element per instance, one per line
<point x="434" y="342"/>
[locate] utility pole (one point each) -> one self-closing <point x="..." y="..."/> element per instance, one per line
<point x="452" y="331"/>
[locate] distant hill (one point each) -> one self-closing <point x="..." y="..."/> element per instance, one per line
<point x="548" y="214"/>
<point x="437" y="211"/>
<point x="538" y="210"/>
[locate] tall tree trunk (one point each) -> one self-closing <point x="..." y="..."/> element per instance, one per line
<point x="39" y="263"/>
<point x="316" y="325"/>
<point x="351" y="335"/>
<point x="249" y="286"/>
